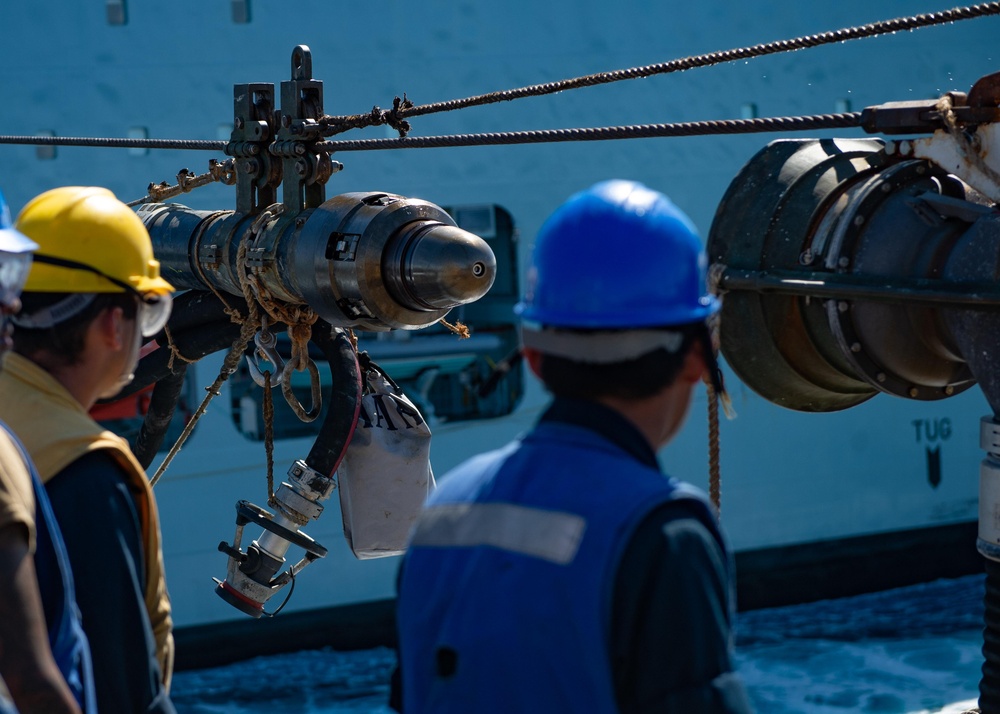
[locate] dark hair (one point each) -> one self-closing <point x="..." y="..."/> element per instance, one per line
<point x="631" y="379"/>
<point x="64" y="342"/>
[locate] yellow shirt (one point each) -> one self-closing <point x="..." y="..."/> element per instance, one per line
<point x="17" y="498"/>
<point x="56" y="431"/>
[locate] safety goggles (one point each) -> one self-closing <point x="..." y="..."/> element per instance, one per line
<point x="154" y="311"/>
<point x="14" y="269"/>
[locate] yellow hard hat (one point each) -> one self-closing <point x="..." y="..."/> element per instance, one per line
<point x="89" y="242"/>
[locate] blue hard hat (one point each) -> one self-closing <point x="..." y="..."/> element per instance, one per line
<point x="11" y="239"/>
<point x="618" y="255"/>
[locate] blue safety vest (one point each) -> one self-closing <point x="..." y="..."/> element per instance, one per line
<point x="67" y="640"/>
<point x="506" y="589"/>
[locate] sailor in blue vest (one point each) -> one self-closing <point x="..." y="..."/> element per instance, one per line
<point x="565" y="572"/>
<point x="44" y="656"/>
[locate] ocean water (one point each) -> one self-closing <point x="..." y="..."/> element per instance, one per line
<point x="913" y="650"/>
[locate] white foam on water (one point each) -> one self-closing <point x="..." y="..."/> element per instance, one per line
<point x="909" y="651"/>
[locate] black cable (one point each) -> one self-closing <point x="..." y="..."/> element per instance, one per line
<point x="117" y="143"/>
<point x="403" y="108"/>
<point x="873" y="29"/>
<point x="607" y="133"/>
<point x="542" y="136"/>
<point x="288" y="596"/>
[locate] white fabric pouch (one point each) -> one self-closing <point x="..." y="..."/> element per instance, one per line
<point x="385" y="475"/>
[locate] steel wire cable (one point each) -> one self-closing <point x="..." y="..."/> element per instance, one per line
<point x="117" y="143"/>
<point x="540" y="136"/>
<point x="874" y="29"/>
<point x="404" y="109"/>
<point x="607" y="133"/>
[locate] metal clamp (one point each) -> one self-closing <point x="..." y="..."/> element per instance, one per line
<point x="266" y="347"/>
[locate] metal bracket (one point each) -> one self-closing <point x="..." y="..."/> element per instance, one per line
<point x="973" y="157"/>
<point x="343" y="246"/>
<point x="258" y="173"/>
<point x="305" y="170"/>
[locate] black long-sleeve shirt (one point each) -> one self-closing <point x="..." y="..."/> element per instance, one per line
<point x="100" y="524"/>
<point x="670" y="643"/>
<point x="670" y="630"/>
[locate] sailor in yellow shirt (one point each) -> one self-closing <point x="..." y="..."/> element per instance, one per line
<point x="93" y="293"/>
<point x="44" y="656"/>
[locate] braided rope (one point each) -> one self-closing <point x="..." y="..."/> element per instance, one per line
<point x="459" y="328"/>
<point x="117" y="143"/>
<point x="299" y="319"/>
<point x="175" y="353"/>
<point x="247" y="328"/>
<point x="606" y="133"/>
<point x="403" y="108"/>
<point x="228" y="367"/>
<point x="714" y="477"/>
<point x="873" y="29"/>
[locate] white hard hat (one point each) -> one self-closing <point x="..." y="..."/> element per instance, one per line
<point x="15" y="257"/>
<point x="12" y="240"/>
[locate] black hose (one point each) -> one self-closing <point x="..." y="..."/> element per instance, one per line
<point x="196" y="307"/>
<point x="345" y="401"/>
<point x="193" y="343"/>
<point x="989" y="685"/>
<point x="199" y="326"/>
<point x="160" y="413"/>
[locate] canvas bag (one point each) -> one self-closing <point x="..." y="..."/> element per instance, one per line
<point x="386" y="474"/>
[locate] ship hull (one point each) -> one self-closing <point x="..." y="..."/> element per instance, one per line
<point x="815" y="505"/>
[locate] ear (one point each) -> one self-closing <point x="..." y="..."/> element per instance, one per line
<point x="534" y="359"/>
<point x="109" y="326"/>
<point x="694" y="368"/>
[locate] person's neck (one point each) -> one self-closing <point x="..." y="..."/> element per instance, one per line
<point x="81" y="379"/>
<point x="657" y="417"/>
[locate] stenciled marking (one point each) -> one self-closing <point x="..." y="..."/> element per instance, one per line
<point x="933" y="432"/>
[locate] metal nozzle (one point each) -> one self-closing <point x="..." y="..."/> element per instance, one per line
<point x="434" y="266"/>
<point x="372" y="261"/>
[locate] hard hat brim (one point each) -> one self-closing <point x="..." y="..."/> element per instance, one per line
<point x="13" y="241"/>
<point x="154" y="286"/>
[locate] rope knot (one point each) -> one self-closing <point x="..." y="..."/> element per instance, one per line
<point x="459" y="328"/>
<point x="394" y="116"/>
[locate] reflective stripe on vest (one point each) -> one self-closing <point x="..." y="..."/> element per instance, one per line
<point x="549" y="535"/>
<point x="505" y="591"/>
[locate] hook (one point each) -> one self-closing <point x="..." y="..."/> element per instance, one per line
<point x="317" y="394"/>
<point x="266" y="347"/>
